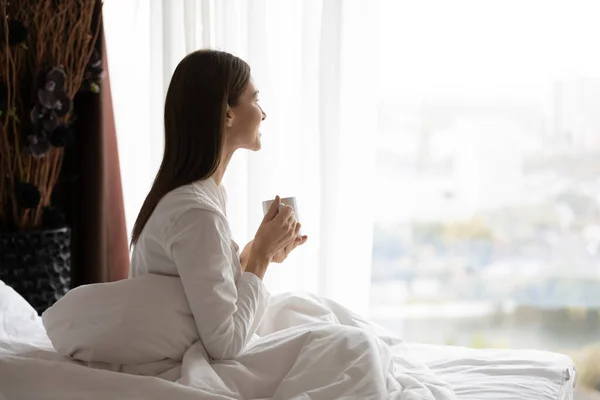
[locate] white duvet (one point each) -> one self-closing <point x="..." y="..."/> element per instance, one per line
<point x="313" y="348"/>
<point x="309" y="348"/>
<point x="306" y="348"/>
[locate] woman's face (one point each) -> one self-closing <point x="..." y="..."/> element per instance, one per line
<point x="242" y="127"/>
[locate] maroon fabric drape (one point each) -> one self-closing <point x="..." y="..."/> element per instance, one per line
<point x="117" y="266"/>
<point x="91" y="189"/>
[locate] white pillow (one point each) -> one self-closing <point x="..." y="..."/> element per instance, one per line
<point x="133" y="321"/>
<point x="13" y="303"/>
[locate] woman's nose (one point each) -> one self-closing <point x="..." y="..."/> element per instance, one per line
<point x="264" y="115"/>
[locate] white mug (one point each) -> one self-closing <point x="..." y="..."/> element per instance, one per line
<point x="288" y="201"/>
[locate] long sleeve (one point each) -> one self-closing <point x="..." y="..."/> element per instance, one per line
<point x="226" y="314"/>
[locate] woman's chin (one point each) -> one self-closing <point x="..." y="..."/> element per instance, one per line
<point x="258" y="143"/>
<point x="256" y="146"/>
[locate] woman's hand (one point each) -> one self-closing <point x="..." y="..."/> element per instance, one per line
<point x="282" y="254"/>
<point x="278" y="230"/>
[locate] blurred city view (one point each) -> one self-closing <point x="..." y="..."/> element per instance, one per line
<point x="496" y="209"/>
<point x="488" y="139"/>
<point x="491" y="234"/>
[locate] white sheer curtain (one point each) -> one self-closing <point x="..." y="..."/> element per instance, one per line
<point x="314" y="65"/>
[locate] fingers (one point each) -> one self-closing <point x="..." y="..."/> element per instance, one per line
<point x="272" y="209"/>
<point x="285" y="213"/>
<point x="297" y="230"/>
<point x="291" y="229"/>
<point x="300" y="240"/>
<point x="289" y="247"/>
<point x="295" y="237"/>
<point x="296" y="241"/>
<point x="293" y="213"/>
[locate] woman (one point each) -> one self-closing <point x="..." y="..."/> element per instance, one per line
<point x="308" y="346"/>
<point x="211" y="111"/>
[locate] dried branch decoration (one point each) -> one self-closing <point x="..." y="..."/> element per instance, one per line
<point x="47" y="55"/>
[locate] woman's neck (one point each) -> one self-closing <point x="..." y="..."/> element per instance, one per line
<point x="217" y="176"/>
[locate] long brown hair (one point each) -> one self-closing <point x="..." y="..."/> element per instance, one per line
<point x="202" y="86"/>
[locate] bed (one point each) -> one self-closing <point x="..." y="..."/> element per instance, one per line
<point x="501" y="374"/>
<point x="31" y="369"/>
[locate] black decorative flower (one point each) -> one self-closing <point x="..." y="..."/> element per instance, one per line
<point x="94" y="66"/>
<point x="51" y="92"/>
<point x="93" y="73"/>
<point x="50" y="122"/>
<point x="47" y="114"/>
<point x="64" y="105"/>
<point x="59" y="102"/>
<point x="55" y="80"/>
<point x="37" y="114"/>
<point x="28" y="195"/>
<point x="44" y="120"/>
<point x="62" y="136"/>
<point x="17" y="33"/>
<point x="37" y="146"/>
<point x="53" y="218"/>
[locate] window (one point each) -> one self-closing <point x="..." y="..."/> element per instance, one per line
<point x="489" y="156"/>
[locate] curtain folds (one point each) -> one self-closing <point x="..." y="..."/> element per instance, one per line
<point x="90" y="189"/>
<point x="312" y="64"/>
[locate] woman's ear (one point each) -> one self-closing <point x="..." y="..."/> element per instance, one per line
<point x="229" y="117"/>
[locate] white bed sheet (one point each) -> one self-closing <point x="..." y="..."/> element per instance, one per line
<point x="500" y="374"/>
<point x="31" y="369"/>
<point x="473" y="374"/>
